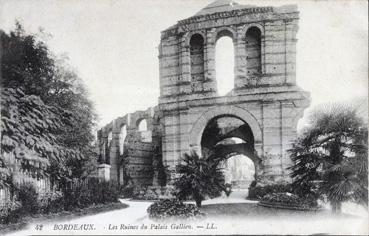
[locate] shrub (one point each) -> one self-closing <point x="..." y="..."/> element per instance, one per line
<point x="51" y="202"/>
<point x="228" y="189"/>
<point x="110" y="191"/>
<point x="168" y="208"/>
<point x="83" y="193"/>
<point x="198" y="178"/>
<point x="147" y="194"/>
<point x="10" y="212"/>
<point x="29" y="198"/>
<point x="126" y="191"/>
<point x="258" y="192"/>
<point x="290" y="199"/>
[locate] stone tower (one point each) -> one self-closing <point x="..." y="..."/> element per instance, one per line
<point x="265" y="94"/>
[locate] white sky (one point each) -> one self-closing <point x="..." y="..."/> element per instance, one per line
<point x="113" y="45"/>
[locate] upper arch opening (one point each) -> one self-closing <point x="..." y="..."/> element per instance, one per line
<point x="197" y="61"/>
<point x="224" y="62"/>
<point x="142" y="125"/>
<point x="253" y="51"/>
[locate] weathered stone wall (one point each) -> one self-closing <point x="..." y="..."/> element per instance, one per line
<point x="134" y="162"/>
<point x="265" y="94"/>
<point x="277" y="26"/>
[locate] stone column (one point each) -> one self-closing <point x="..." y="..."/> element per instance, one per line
<point x="185" y="60"/>
<point x="209" y="57"/>
<point x="240" y="59"/>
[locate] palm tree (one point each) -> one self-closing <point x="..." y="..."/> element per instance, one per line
<point x="330" y="158"/>
<point x="199" y="178"/>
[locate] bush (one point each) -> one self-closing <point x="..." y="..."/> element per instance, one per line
<point x="258" y="192"/>
<point x="290" y="199"/>
<point x="198" y="178"/>
<point x="29" y="199"/>
<point x="51" y="202"/>
<point x="126" y="191"/>
<point x="165" y="209"/>
<point x="228" y="189"/>
<point x="153" y="193"/>
<point x="147" y="194"/>
<point x="10" y="212"/>
<point x="84" y="193"/>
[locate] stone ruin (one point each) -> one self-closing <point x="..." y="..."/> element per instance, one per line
<point x="265" y="96"/>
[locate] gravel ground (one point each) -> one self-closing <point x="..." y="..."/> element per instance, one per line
<point x="233" y="215"/>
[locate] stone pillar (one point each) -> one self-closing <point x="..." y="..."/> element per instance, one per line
<point x="209" y="57"/>
<point x="104" y="172"/>
<point x="114" y="152"/>
<point x="185" y="60"/>
<point x="272" y="141"/>
<point x="240" y="59"/>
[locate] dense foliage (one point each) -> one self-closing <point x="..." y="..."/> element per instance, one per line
<point x="289" y="200"/>
<point x="10" y="213"/>
<point x="168" y="208"/>
<point x="28" y="198"/>
<point x="30" y="131"/>
<point x="46" y="117"/>
<point x="198" y="178"/>
<point x="331" y="157"/>
<point x="80" y="194"/>
<point x="258" y="192"/>
<point x="77" y="194"/>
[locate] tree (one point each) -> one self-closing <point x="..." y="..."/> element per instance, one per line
<point x="47" y="119"/>
<point x="199" y="178"/>
<point x="330" y="158"/>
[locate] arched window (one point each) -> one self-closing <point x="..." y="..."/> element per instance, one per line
<point x="224" y="64"/>
<point x="197" y="60"/>
<point x="122" y="137"/>
<point x="253" y="51"/>
<point x="142" y="125"/>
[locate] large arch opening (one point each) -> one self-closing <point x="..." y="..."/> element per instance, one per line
<point x="224" y="63"/>
<point x="230" y="140"/>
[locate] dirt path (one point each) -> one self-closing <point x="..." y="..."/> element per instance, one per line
<point x="234" y="215"/>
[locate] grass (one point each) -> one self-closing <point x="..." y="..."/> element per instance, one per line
<point x="44" y="218"/>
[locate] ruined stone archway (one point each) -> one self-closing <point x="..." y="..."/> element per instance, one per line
<point x="226" y="136"/>
<point x="265" y="93"/>
<point x="199" y="126"/>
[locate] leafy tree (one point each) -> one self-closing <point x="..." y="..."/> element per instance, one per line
<point x="199" y="178"/>
<point x="26" y="63"/>
<point x="330" y="158"/>
<point x="46" y="116"/>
